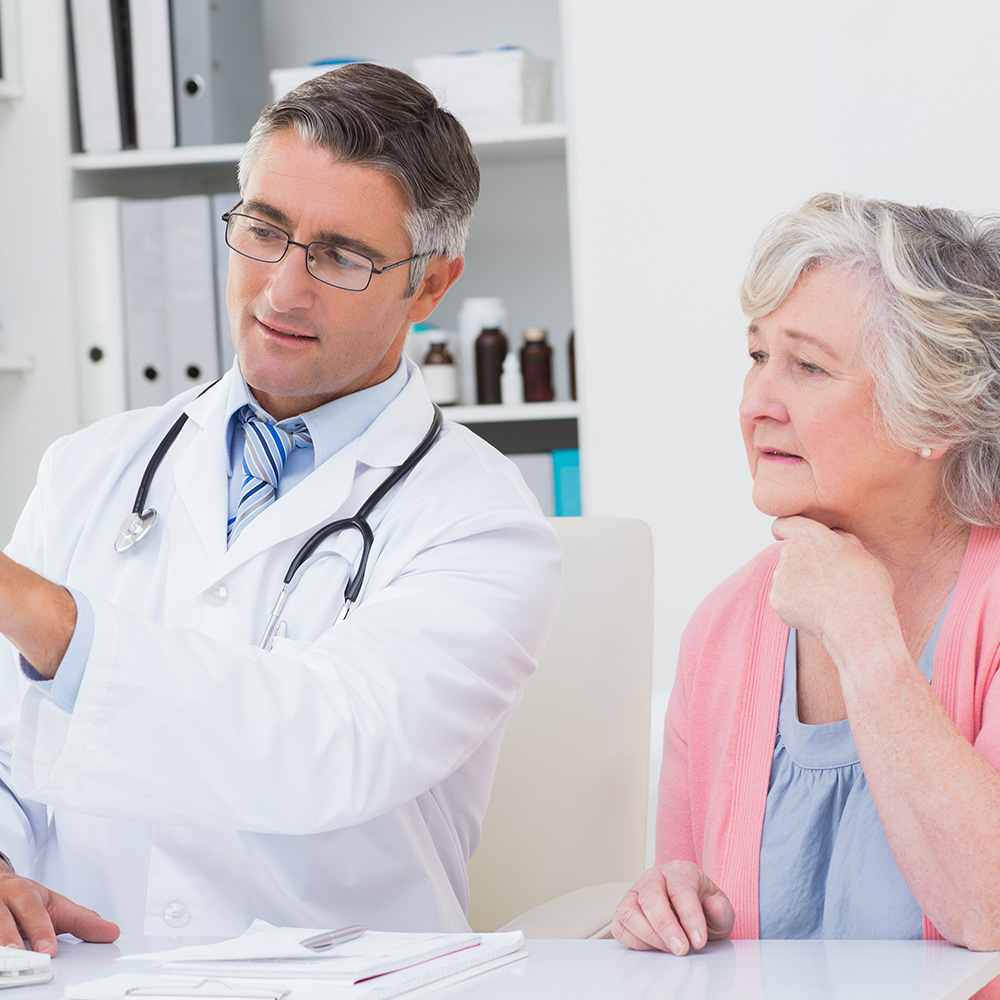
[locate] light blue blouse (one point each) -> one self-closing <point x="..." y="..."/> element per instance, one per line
<point x="826" y="870"/>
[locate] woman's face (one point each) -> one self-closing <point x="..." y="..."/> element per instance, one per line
<point x="813" y="435"/>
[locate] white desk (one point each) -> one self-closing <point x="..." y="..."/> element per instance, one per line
<point x="604" y="970"/>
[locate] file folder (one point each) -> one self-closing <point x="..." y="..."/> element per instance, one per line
<point x="152" y="74"/>
<point x="220" y="81"/>
<point x="189" y="290"/>
<point x="147" y="364"/>
<point x="92" y="29"/>
<point x="99" y="309"/>
<point x="222" y="203"/>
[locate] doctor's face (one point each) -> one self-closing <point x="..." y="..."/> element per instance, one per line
<point x="300" y="342"/>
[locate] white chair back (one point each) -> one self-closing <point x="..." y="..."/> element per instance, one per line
<point x="569" y="803"/>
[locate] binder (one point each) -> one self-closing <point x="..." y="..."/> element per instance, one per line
<point x="93" y="32"/>
<point x="189" y="291"/>
<point x="121" y="36"/>
<point x="152" y="74"/>
<point x="536" y="467"/>
<point x="220" y="80"/>
<point x="222" y="203"/>
<point x="100" y="319"/>
<point x="146" y="361"/>
<point x="566" y="476"/>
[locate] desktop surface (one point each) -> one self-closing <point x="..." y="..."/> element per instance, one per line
<point x="604" y="970"/>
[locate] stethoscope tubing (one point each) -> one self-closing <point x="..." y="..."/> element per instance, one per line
<point x="138" y="523"/>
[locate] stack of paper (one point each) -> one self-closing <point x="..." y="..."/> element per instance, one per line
<point x="271" y="962"/>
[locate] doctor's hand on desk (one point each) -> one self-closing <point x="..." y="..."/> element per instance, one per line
<point x="30" y="911"/>
<point x="37" y="616"/>
<point x="673" y="907"/>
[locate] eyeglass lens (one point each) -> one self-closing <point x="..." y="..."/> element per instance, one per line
<point x="334" y="265"/>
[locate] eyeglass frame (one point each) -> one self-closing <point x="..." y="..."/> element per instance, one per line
<point x="289" y="242"/>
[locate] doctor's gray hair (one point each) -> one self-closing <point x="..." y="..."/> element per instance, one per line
<point x="930" y="327"/>
<point x="379" y="117"/>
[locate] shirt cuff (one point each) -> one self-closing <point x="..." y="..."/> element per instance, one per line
<point x="65" y="686"/>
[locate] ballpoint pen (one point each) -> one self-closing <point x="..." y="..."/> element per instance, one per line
<point x="328" y="939"/>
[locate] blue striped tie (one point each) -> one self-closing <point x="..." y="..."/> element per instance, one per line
<point x="266" y="447"/>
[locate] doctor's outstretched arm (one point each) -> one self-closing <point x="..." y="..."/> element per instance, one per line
<point x="36" y="615"/>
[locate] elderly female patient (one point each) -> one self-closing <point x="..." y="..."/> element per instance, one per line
<point x="833" y="736"/>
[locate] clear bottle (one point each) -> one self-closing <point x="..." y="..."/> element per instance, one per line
<point x="439" y="371"/>
<point x="491" y="349"/>
<point x="536" y="366"/>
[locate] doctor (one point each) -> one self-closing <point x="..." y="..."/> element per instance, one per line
<point x="158" y="767"/>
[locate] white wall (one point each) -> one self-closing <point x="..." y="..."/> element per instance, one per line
<point x="692" y="125"/>
<point x="35" y="310"/>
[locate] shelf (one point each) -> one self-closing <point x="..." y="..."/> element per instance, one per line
<point x="18" y="365"/>
<point x="538" y="141"/>
<point x="542" y="140"/>
<point x="509" y="414"/>
<point x="138" y="159"/>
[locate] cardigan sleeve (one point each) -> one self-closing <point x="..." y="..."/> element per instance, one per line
<point x="674" y="829"/>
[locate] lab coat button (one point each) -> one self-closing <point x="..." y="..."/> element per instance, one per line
<point x="176" y="914"/>
<point x="217" y="596"/>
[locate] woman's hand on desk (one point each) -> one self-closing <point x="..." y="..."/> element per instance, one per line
<point x="673" y="907"/>
<point x="29" y="911"/>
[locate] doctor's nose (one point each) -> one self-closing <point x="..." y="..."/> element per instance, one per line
<point x="290" y="285"/>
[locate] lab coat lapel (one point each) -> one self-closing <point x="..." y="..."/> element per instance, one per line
<point x="201" y="479"/>
<point x="297" y="513"/>
<point x="325" y="494"/>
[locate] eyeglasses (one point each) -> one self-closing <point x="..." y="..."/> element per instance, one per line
<point x="333" y="265"/>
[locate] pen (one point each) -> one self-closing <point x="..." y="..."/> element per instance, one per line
<point x="327" y="939"/>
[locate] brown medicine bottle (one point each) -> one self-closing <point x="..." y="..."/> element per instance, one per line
<point x="491" y="349"/>
<point x="536" y="366"/>
<point x="439" y="371"/>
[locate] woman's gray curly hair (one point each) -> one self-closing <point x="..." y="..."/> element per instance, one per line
<point x="931" y="328"/>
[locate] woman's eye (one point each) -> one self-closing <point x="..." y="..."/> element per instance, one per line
<point x="810" y="368"/>
<point x="758" y="357"/>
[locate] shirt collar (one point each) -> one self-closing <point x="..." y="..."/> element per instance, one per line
<point x="332" y="425"/>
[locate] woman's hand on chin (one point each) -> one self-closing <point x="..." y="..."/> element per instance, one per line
<point x="827" y="583"/>
<point x="673" y="907"/>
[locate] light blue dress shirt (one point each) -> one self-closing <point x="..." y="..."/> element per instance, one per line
<point x="826" y="870"/>
<point x="331" y="426"/>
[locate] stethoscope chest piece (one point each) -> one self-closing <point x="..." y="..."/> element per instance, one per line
<point x="134" y="527"/>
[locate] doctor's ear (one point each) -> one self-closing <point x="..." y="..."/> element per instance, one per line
<point x="439" y="275"/>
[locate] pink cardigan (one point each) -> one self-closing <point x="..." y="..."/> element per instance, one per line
<point x="723" y="715"/>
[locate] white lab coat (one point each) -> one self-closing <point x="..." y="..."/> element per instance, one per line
<point x="200" y="782"/>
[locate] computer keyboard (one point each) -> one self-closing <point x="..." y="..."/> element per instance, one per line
<point x="24" y="968"/>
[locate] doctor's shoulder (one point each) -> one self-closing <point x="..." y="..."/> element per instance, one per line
<point x="109" y="443"/>
<point x="465" y="487"/>
<point x="493" y="477"/>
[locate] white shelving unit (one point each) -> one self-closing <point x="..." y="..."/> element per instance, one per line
<point x="143" y="170"/>
<point x="509" y="414"/>
<point x="543" y="140"/>
<point x="519" y="244"/>
<point x="10" y="54"/>
<point x="15" y="365"/>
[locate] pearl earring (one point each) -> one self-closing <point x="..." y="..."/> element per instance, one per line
<point x="925" y="452"/>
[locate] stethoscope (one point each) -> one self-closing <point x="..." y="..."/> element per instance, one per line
<point x="137" y="524"/>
